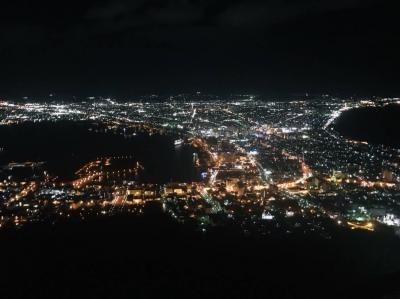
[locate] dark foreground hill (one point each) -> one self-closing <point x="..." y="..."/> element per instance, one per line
<point x="142" y="257"/>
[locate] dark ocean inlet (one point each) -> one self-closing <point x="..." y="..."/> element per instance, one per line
<point x="376" y="125"/>
<point x="65" y="146"/>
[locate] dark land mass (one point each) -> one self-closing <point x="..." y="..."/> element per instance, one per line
<point x="376" y="125"/>
<point x="152" y="256"/>
<point x="66" y="145"/>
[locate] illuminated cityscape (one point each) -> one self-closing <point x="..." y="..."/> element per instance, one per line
<point x="263" y="167"/>
<point x="200" y="149"/>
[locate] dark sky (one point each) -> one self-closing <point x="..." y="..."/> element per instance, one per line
<point x="135" y="47"/>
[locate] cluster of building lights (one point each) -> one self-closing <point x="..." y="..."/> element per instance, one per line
<point x="266" y="166"/>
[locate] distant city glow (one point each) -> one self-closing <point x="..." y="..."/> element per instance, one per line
<point x="268" y="167"/>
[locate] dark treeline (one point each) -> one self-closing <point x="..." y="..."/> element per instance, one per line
<point x="152" y="256"/>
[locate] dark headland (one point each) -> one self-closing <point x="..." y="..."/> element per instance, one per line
<point x="153" y="256"/>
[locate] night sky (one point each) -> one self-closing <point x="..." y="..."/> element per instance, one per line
<point x="127" y="48"/>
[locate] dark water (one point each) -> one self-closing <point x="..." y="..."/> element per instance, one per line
<point x="66" y="146"/>
<point x="376" y="125"/>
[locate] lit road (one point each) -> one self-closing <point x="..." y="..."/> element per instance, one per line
<point x="215" y="205"/>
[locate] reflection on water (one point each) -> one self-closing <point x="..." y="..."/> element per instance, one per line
<point x="65" y="146"/>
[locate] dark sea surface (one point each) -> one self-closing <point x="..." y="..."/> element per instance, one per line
<point x="65" y="146"/>
<point x="376" y="125"/>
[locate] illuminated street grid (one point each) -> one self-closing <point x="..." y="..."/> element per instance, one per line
<point x="269" y="166"/>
